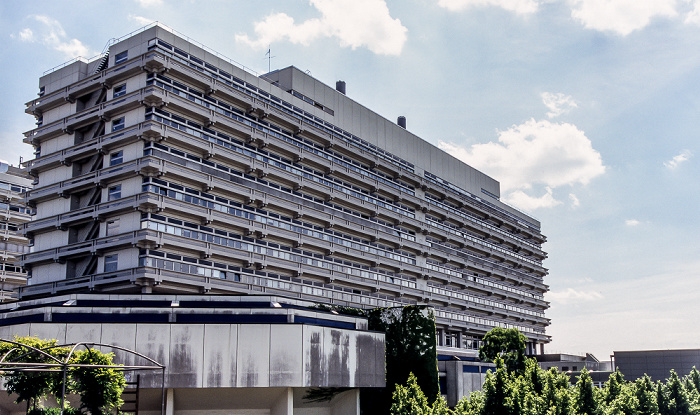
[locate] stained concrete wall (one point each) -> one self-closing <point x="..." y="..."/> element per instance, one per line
<point x="235" y="355"/>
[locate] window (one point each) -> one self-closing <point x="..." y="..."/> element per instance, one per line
<point x="565" y="368"/>
<point x="111" y="263"/>
<point x="121" y="57"/>
<point x="119" y="91"/>
<point x="575" y="368"/>
<point x="114" y="192"/>
<point x="118" y="124"/>
<point x="112" y="227"/>
<point x="116" y="158"/>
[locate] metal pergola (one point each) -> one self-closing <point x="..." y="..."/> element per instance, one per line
<point x="55" y="364"/>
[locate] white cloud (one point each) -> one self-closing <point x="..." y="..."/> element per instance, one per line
<point x="534" y="153"/>
<point x="149" y="3"/>
<point x="684" y="156"/>
<point x="694" y="16"/>
<point x="356" y="23"/>
<point x="52" y="35"/>
<point x="144" y="21"/>
<point x="524" y="201"/>
<point x="620" y="16"/>
<point x="571" y="295"/>
<point x="574" y="200"/>
<point x="558" y="104"/>
<point x="632" y="222"/>
<point x="26" y="35"/>
<point x="516" y="6"/>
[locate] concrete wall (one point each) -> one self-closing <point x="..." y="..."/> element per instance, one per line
<point x="234" y="355"/>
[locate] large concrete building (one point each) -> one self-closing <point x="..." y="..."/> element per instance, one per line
<point x="164" y="168"/>
<point x="13" y="214"/>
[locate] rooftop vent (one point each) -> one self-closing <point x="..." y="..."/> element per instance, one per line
<point x="340" y="87"/>
<point x="401" y="122"/>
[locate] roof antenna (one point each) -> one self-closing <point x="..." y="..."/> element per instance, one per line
<point x="269" y="58"/>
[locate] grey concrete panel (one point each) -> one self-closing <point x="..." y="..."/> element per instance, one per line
<point x="366" y="368"/>
<point x="313" y="356"/>
<point x="253" y="356"/>
<point x="123" y="335"/>
<point x="84" y="333"/>
<point x="9" y="332"/>
<point x="336" y="347"/>
<point x="49" y="331"/>
<point x="286" y="355"/>
<point x="219" y="355"/>
<point x="186" y="355"/>
<point x="154" y="340"/>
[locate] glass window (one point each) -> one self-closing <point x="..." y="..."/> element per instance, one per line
<point x="111" y="263"/>
<point x="112" y="227"/>
<point x="119" y="91"/>
<point x="116" y="157"/>
<point x="114" y="192"/>
<point x="121" y="57"/>
<point x="118" y="124"/>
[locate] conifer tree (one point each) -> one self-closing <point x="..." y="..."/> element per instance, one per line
<point x="496" y="391"/>
<point x="585" y="401"/>
<point x="646" y="396"/>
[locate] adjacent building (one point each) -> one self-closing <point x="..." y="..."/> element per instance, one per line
<point x="13" y="214"/>
<point x="656" y="363"/>
<point x="163" y="168"/>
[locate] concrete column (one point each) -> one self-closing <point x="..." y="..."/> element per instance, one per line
<point x="169" y="401"/>
<point x="284" y="404"/>
<point x="455" y="381"/>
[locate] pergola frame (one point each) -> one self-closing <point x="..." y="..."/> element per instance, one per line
<point x="63" y="365"/>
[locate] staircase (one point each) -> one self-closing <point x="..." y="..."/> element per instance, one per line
<point x="130" y="396"/>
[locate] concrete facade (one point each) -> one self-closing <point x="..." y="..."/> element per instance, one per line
<point x="165" y="168"/>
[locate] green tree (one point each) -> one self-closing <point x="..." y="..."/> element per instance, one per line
<point x="613" y="387"/>
<point x="409" y="399"/>
<point x="585" y="401"/>
<point x="646" y="396"/>
<point x="509" y="344"/>
<point x="677" y="399"/>
<point x="497" y="399"/>
<point x="470" y="405"/>
<point x="100" y="389"/>
<point x="694" y="377"/>
<point x="31" y="387"/>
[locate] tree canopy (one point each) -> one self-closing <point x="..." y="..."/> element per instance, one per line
<point x="508" y="344"/>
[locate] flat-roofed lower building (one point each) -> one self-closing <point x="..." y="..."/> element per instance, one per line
<point x="165" y="168"/>
<point x="656" y="363"/>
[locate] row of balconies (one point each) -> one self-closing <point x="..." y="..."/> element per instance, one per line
<point x="104" y="79"/>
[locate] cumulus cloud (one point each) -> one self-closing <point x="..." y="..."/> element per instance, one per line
<point x="144" y="21"/>
<point x="620" y="16"/>
<point x="558" y="104"/>
<point x="51" y="34"/>
<point x="684" y="156"/>
<point x="571" y="295"/>
<point x="355" y="23"/>
<point x="632" y="222"/>
<point x="541" y="153"/>
<point x="517" y="6"/>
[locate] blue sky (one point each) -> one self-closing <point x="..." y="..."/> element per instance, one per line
<point x="586" y="111"/>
